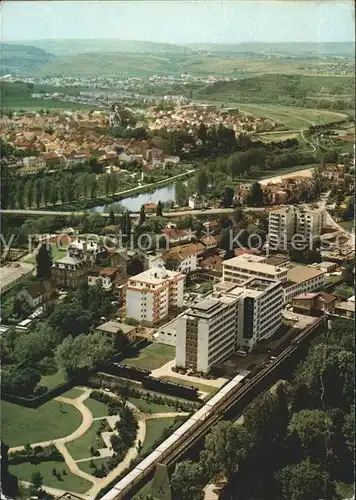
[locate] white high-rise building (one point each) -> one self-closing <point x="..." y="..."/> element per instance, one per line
<point x="235" y="318"/>
<point x="206" y="333"/>
<point x="151" y="294"/>
<point x="259" y="311"/>
<point x="284" y="223"/>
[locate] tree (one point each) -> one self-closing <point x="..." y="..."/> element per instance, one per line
<point x="70" y="318"/>
<point x="159" y="209"/>
<point x="304" y="481"/>
<point x="32" y="348"/>
<point x="313" y="428"/>
<point x="19" y="380"/>
<point x="37" y="480"/>
<point x="181" y="194"/>
<point x="188" y="481"/>
<point x="348" y="429"/>
<point x="85" y="352"/>
<point x="202" y="181"/>
<point x="124" y="390"/>
<point x="255" y="196"/>
<point x="224" y="448"/>
<point x="327" y="374"/>
<point x="112" y="218"/>
<point x="142" y="215"/>
<point x="44" y="262"/>
<point x="343" y="292"/>
<point x="228" y="197"/>
<point x="172" y="264"/>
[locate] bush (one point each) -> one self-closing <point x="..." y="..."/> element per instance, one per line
<point x="36" y="455"/>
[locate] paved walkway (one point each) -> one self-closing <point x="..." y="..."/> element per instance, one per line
<point x="57" y="492"/>
<point x="166" y="371"/>
<point x="97" y="483"/>
<point x="82" y="429"/>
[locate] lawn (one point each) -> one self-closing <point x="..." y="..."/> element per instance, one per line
<point x="144" y="491"/>
<point x="347" y="224"/>
<point x="151" y="357"/>
<point x="80" y="448"/>
<point x="57" y="253"/>
<point x="53" y="380"/>
<point x="67" y="482"/>
<point x="73" y="393"/>
<point x="97" y="408"/>
<point x="345" y="490"/>
<point x="85" y="466"/>
<point x="51" y="420"/>
<point x="146" y="407"/>
<point x="201" y="387"/>
<point x="154" y="430"/>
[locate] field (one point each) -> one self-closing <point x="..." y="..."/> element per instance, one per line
<point x="201" y="387"/>
<point x="154" y="429"/>
<point x="67" y="482"/>
<point x="51" y="420"/>
<point x="18" y="96"/>
<point x="291" y="117"/>
<point x="151" y="357"/>
<point x="80" y="448"/>
<point x="73" y="393"/>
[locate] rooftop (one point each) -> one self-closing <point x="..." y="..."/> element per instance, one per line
<point x="8" y="274"/>
<point x="253" y="263"/>
<point x="155" y="276"/>
<point x="299" y="274"/>
<point x="114" y="326"/>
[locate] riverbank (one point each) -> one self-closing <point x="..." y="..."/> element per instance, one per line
<point x="97" y="203"/>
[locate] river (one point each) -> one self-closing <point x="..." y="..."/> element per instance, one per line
<point x="134" y="203"/>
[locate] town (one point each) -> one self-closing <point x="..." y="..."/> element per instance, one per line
<point x="177" y="252"/>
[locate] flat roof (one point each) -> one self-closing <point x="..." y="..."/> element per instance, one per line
<point x="11" y="273"/>
<point x="207" y="304"/>
<point x="114" y="326"/>
<point x="298" y="274"/>
<point x="155" y="276"/>
<point x="253" y="265"/>
<point x="346" y="306"/>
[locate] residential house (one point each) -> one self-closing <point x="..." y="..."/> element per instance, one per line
<point x="174" y="235"/>
<point x="345" y="309"/>
<point x="104" y="275"/>
<point x="37" y="294"/>
<point x="70" y="272"/>
<point x="314" y="304"/>
<point x="112" y="328"/>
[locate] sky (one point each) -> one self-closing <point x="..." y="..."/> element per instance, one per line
<point x="180" y="22"/>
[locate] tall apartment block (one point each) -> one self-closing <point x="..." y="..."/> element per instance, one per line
<point x="206" y="334"/>
<point x="151" y="294"/>
<point x="284" y="223"/>
<point x="232" y="318"/>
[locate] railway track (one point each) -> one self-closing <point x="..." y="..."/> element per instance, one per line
<point x="235" y="392"/>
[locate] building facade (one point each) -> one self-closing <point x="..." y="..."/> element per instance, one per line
<point x="206" y="334"/>
<point x="284" y="223"/>
<point x="151" y="294"/>
<point x="70" y="272"/>
<point x="248" y="266"/>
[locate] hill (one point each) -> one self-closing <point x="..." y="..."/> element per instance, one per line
<point x="343" y="49"/>
<point x="67" y="47"/>
<point x="17" y="59"/>
<point x="107" y="64"/>
<point x="283" y="89"/>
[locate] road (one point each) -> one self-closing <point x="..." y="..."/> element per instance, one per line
<point x="180" y="213"/>
<point x="308" y="142"/>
